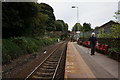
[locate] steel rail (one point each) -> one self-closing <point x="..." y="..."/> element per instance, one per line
<point x="42" y="62"/>
<point x="58" y="65"/>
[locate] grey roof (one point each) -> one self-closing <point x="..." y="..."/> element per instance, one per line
<point x="111" y="22"/>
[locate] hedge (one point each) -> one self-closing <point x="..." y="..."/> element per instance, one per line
<point x="113" y="44"/>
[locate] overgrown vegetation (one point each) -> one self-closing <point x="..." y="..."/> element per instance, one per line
<point x="77" y="27"/>
<point x="101" y="33"/>
<point x="112" y="39"/>
<point x="115" y="31"/>
<point x="27" y="27"/>
<point x="16" y="47"/>
<point x="29" y="19"/>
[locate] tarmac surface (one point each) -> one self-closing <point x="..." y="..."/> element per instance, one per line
<point x="80" y="64"/>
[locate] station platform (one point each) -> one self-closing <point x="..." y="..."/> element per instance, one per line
<point x="80" y="64"/>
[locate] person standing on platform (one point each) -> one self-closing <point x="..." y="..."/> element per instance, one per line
<point x="92" y="43"/>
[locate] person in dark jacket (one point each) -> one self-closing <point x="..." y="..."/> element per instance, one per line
<point x="92" y="42"/>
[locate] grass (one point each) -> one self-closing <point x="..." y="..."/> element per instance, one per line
<point x="16" y="47"/>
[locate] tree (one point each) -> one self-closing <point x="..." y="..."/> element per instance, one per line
<point x="38" y="25"/>
<point x="97" y="27"/>
<point x="115" y="31"/>
<point x="61" y="25"/>
<point x="77" y="27"/>
<point x="16" y="18"/>
<point x="101" y="33"/>
<point x="117" y="14"/>
<point x="48" y="10"/>
<point x="58" y="25"/>
<point x="86" y="27"/>
<point x="65" y="27"/>
<point x="29" y="19"/>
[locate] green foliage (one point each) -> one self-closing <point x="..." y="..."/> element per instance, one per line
<point x="65" y="27"/>
<point x="86" y="27"/>
<point x="61" y="25"/>
<point x="48" y="10"/>
<point x="76" y="27"/>
<point x="114" y="53"/>
<point x="64" y="36"/>
<point x="115" y="31"/>
<point x="26" y="43"/>
<point x="114" y="49"/>
<point x="58" y="25"/>
<point x="22" y="23"/>
<point x="116" y="14"/>
<point x="88" y="34"/>
<point x="97" y="27"/>
<point x="101" y="33"/>
<point x="38" y="25"/>
<point x="28" y="19"/>
<point x="10" y="50"/>
<point x="15" y="47"/>
<point x="16" y="18"/>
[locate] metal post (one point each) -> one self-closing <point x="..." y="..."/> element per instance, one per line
<point x="77" y="20"/>
<point x="77" y="17"/>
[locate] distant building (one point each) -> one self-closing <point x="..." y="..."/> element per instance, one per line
<point x="106" y="27"/>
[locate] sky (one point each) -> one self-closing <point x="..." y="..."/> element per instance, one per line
<point x="94" y="12"/>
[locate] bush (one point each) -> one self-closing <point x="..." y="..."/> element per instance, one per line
<point x="28" y="44"/>
<point x="114" y="53"/>
<point x="10" y="51"/>
<point x="114" y="49"/>
<point x="15" y="47"/>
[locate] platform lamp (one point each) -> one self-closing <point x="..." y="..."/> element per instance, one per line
<point x="77" y="19"/>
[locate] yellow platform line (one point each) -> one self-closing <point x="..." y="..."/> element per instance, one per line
<point x="75" y="66"/>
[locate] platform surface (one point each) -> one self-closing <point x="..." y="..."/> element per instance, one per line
<point x="80" y="64"/>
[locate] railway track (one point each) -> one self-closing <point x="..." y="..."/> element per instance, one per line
<point x="52" y="66"/>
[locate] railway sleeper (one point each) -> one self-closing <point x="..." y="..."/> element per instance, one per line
<point x="49" y="67"/>
<point x="42" y="78"/>
<point x="43" y="73"/>
<point x="52" y="59"/>
<point x="44" y="69"/>
<point x="48" y="64"/>
<point x="55" y="57"/>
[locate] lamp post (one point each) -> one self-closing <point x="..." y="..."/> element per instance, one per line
<point x="77" y="12"/>
<point x="77" y="20"/>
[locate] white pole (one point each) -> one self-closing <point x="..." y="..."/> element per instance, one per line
<point x="78" y="16"/>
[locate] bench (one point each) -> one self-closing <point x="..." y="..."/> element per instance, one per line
<point x="102" y="48"/>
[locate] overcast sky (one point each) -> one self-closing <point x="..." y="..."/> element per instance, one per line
<point x="96" y="13"/>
